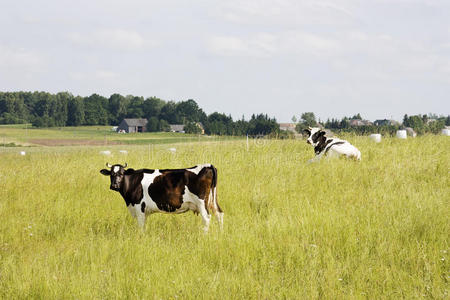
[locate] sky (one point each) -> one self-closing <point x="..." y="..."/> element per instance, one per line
<point x="380" y="58"/>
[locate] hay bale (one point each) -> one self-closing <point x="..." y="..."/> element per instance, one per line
<point x="410" y="132"/>
<point x="401" y="134"/>
<point x="376" y="137"/>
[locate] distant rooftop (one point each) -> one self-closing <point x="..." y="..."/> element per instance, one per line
<point x="136" y="122"/>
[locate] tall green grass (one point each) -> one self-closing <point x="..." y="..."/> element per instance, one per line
<point x="377" y="229"/>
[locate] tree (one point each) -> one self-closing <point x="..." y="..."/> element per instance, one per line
<point x="164" y="125"/>
<point x="43" y="109"/>
<point x="308" y="119"/>
<point x="153" y="125"/>
<point x="188" y="111"/>
<point x="415" y="122"/>
<point x="152" y="107"/>
<point x="218" y="123"/>
<point x="96" y="110"/>
<point x="406" y="121"/>
<point x="13" y="108"/>
<point x="262" y="124"/>
<point x="61" y="113"/>
<point x="75" y="114"/>
<point x="134" y="109"/>
<point x="117" y="107"/>
<point x="169" y="113"/>
<point x="192" y="127"/>
<point x="436" y="126"/>
<point x="356" y="117"/>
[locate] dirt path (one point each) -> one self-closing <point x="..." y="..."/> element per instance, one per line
<point x="70" y="142"/>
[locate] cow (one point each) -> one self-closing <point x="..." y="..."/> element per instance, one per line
<point x="172" y="191"/>
<point x="324" y="146"/>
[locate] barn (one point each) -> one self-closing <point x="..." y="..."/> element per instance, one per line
<point x="177" y="128"/>
<point x="132" y="125"/>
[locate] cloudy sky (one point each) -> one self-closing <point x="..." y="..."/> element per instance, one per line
<point x="381" y="58"/>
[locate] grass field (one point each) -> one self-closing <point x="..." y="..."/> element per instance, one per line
<point x="339" y="229"/>
<point x="92" y="135"/>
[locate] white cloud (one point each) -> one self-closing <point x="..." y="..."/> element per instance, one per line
<point x="333" y="6"/>
<point x="19" y="58"/>
<point x="102" y="75"/>
<point x="268" y="45"/>
<point x="289" y="12"/>
<point x="116" y="39"/>
<point x="261" y="45"/>
<point x="315" y="44"/>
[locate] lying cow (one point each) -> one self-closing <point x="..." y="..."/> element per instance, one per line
<point x="330" y="146"/>
<point x="174" y="191"/>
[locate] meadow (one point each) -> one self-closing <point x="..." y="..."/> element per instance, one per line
<point x="26" y="135"/>
<point x="338" y="229"/>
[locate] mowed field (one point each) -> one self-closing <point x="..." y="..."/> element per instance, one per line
<point x="92" y="136"/>
<point x="375" y="229"/>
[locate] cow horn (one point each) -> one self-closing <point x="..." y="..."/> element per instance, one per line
<point x="125" y="165"/>
<point x="108" y="165"/>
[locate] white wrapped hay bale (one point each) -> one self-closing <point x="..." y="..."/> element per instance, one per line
<point x="446" y="131"/>
<point x="23" y="153"/>
<point x="376" y="137"/>
<point x="401" y="134"/>
<point x="123" y="151"/>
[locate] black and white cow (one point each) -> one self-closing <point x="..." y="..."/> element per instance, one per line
<point x="324" y="146"/>
<point x="173" y="191"/>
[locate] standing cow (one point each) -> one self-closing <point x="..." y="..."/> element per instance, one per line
<point x="173" y="191"/>
<point x="329" y="146"/>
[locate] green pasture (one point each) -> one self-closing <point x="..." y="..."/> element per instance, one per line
<point x="26" y="135"/>
<point x="338" y="229"/>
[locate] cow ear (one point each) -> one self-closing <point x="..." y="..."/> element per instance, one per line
<point x="321" y="133"/>
<point x="105" y="172"/>
<point x="129" y="171"/>
<point x="307" y="131"/>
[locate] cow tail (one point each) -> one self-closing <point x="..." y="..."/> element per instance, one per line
<point x="214" y="188"/>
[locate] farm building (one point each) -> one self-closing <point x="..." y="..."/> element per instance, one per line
<point x="177" y="128"/>
<point x="386" y="122"/>
<point x="287" y="127"/>
<point x="359" y="122"/>
<point x="132" y="125"/>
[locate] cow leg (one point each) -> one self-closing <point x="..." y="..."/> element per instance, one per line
<point x="214" y="206"/>
<point x="205" y="215"/>
<point x="138" y="214"/>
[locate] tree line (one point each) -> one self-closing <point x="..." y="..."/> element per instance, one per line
<point x="421" y="124"/>
<point x="43" y="109"/>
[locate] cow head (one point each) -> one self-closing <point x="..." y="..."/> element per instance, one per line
<point x="315" y="135"/>
<point x="116" y="174"/>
